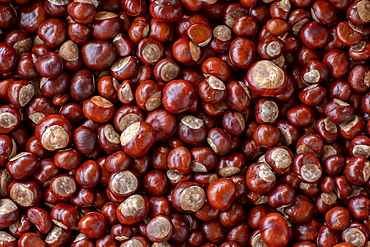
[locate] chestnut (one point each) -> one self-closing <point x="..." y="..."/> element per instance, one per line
<point x="133" y="209"/>
<point x="221" y="193"/>
<point x="274" y="224"/>
<point x="137" y="138"/>
<point x="188" y="197"/>
<point x="9" y="212"/>
<point x="54" y="132"/>
<point x="93" y="225"/>
<point x="266" y="78"/>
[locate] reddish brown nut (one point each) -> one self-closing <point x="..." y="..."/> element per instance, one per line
<point x="186" y="51"/>
<point x="358" y="170"/>
<point x="149" y="51"/>
<point x="93" y="225"/>
<point x="82" y="85"/>
<point x="9" y="57"/>
<point x="166" y="70"/>
<point x="214" y="231"/>
<point x="7" y="240"/>
<point x="53" y="32"/>
<point x="163" y="122"/>
<point x="49" y="65"/>
<point x="348" y="33"/>
<point x="338" y="111"/>
<point x="166" y="11"/>
<point x="188" y="197"/>
<point x="79" y="33"/>
<point x="137" y="138"/>
<point x="243" y="52"/>
<point x="359" y="207"/>
<point x="307" y="167"/>
<point x="125" y="92"/>
<point x="24" y="193"/>
<point x="203" y="159"/>
<point x="338" y="218"/>
<point x="281" y="196"/>
<point x="233" y="122"/>
<point x="310" y="142"/>
<point x="8" y="147"/>
<point x="54" y="132"/>
<point x="241" y="102"/>
<point x="219" y="141"/>
<point x="270" y="48"/>
<point x="214" y="66"/>
<point x="98" y="109"/>
<point x="207" y="212"/>
<point x="123" y="183"/>
<point x="191" y="130"/>
<point x="277" y="27"/>
<point x="274" y="224"/>
<point x="121" y="232"/>
<point x="280" y="159"/>
<point x="98" y="55"/>
<point x="65" y="216"/>
<point x="9" y="212"/>
<point x="26" y="69"/>
<point x="314" y="35"/>
<point x="359" y="51"/>
<point x="178" y="96"/>
<point x="245" y="25"/>
<point x="161" y="31"/>
<point x="301" y="210"/>
<point x="212" y="90"/>
<point x="106" y="25"/>
<point x="68" y="159"/>
<point x="359" y="145"/>
<point x="81" y="239"/>
<point x="267" y="79"/>
<point x="327" y="130"/>
<point x="127" y="115"/>
<point x="85" y="198"/>
<point x="222" y="36"/>
<point x="266" y="135"/>
<point x="155" y="183"/>
<point x="40" y="218"/>
<point x="108" y="138"/>
<point x="22" y="165"/>
<point x="221" y="193"/>
<point x="133" y="209"/>
<point x="200" y="33"/>
<point x="117" y="161"/>
<point x="30" y="238"/>
<point x="301" y="115"/>
<point x="159" y="229"/>
<point x="88" y="174"/>
<point x="337" y="62"/>
<point x="148" y="95"/>
<point x="260" y="178"/>
<point x="20" y="93"/>
<point x="179" y="160"/>
<point x="63" y="186"/>
<point x="82" y="11"/>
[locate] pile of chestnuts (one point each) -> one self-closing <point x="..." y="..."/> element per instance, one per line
<point x="163" y="123"/>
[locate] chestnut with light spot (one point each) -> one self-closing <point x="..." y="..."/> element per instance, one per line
<point x="137" y="138"/>
<point x="133" y="209"/>
<point x="54" y="132"/>
<point x="267" y="79"/>
<point x="260" y="178"/>
<point x="9" y="212"/>
<point x="188" y="197"/>
<point x="159" y="229"/>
